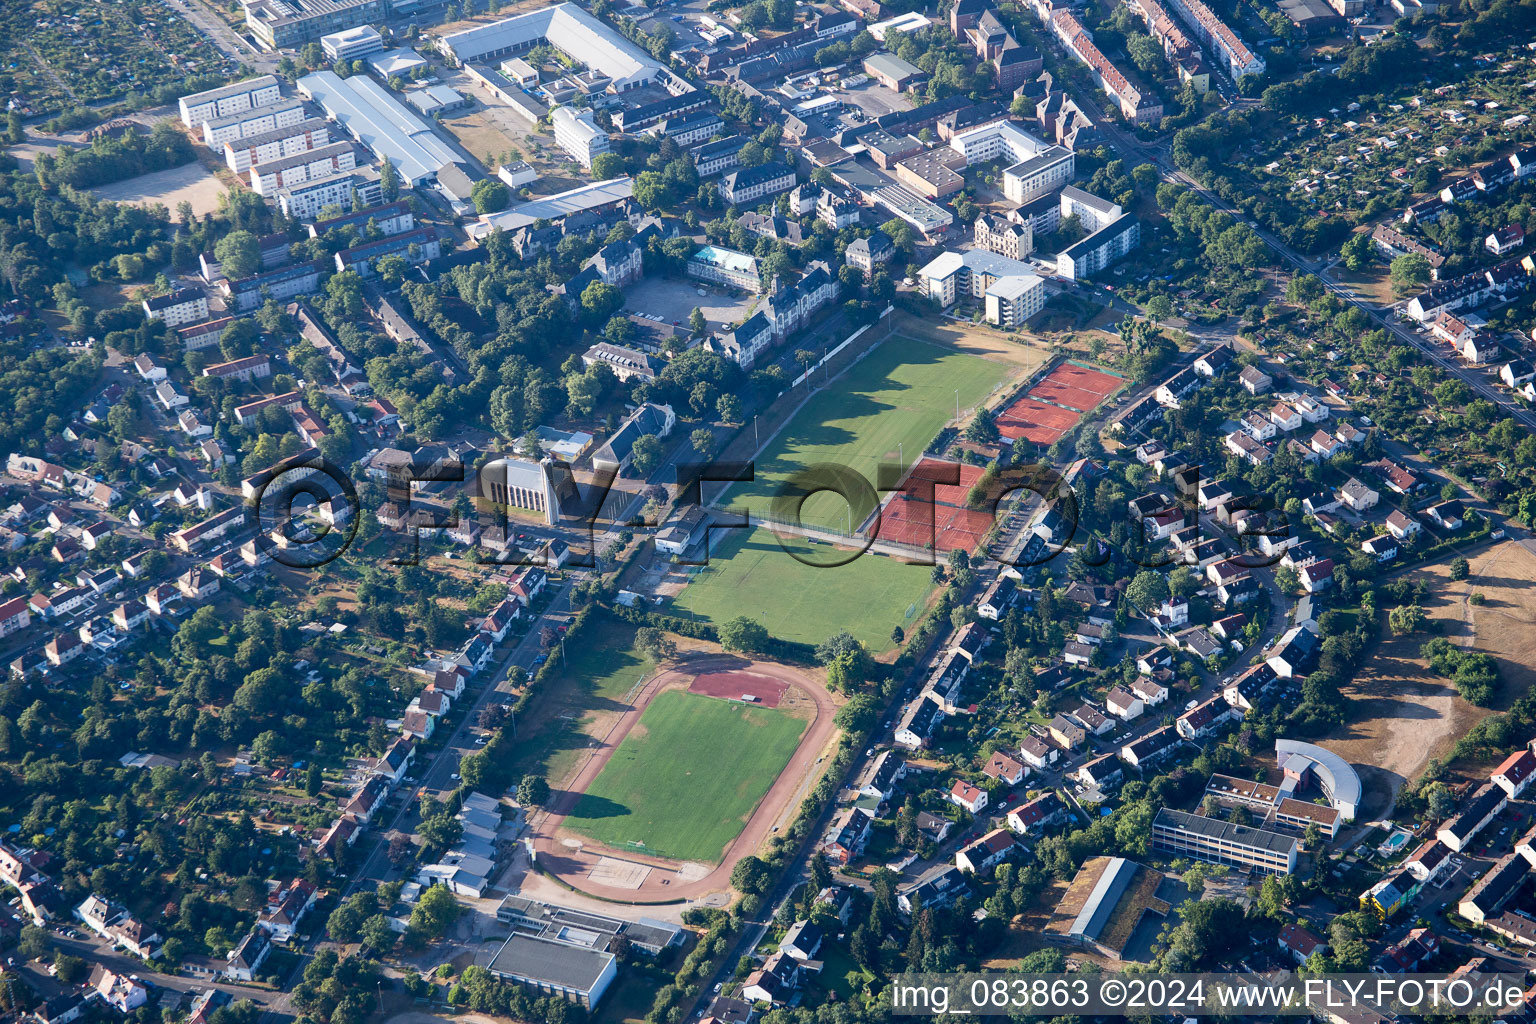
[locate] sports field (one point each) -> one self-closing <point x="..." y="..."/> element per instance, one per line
<point x="684" y="781"/>
<point x="889" y="406"/>
<point x="581" y="699"/>
<point x="750" y="574"/>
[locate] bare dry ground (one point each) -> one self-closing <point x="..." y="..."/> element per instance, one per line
<point x="190" y="182"/>
<point x="978" y="339"/>
<point x="1403" y="714"/>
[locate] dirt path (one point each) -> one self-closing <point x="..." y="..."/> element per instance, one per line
<point x="666" y="880"/>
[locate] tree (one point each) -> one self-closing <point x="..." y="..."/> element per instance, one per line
<point x="1409" y="270"/>
<point x="1147" y="591"/>
<point x="313" y="780"/>
<point x="751" y="876"/>
<point x="1405" y="619"/>
<point x="490" y="195"/>
<point x="645" y="454"/>
<point x="389" y="180"/>
<point x="897" y="634"/>
<point x="857" y="716"/>
<point x="650" y="190"/>
<point x="1356" y="251"/>
<point x="532" y="791"/>
<point x="1287" y="579"/>
<point x="34" y="942"/>
<point x="1460" y="568"/>
<point x="600" y="300"/>
<point x="1159" y="308"/>
<point x="745" y="635"/>
<point x="378" y="935"/>
<point x="728" y="407"/>
<point x="239" y="254"/>
<point x="435" y="911"/>
<point x="696" y="322"/>
<point x="654" y="644"/>
<point x="703" y="440"/>
<point x="606" y="166"/>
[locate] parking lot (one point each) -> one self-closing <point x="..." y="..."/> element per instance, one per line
<point x="674" y="300"/>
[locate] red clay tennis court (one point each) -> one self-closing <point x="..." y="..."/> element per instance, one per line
<point x="940" y="469"/>
<point x="1035" y="421"/>
<point x="905" y="520"/>
<point x="738" y="685"/>
<point x="1076" y="387"/>
<point x="910" y="517"/>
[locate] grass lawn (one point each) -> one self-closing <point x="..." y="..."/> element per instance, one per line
<point x="894" y="402"/>
<point x="603" y="667"/>
<point x="750" y="574"/>
<point x="687" y="777"/>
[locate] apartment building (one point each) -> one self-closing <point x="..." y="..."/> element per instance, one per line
<point x="234" y="98"/>
<point x="1133" y="105"/>
<point x="182" y="306"/>
<point x="256" y="121"/>
<point x="1039" y="175"/>
<point x="1232" y="53"/>
<point x="1099" y="250"/>
<point x="309" y="134"/>
<point x="750" y="184"/>
<point x="1002" y="236"/>
<point x="1013" y="300"/>
<point x="578" y="134"/>
<point x="306" y="200"/>
<point x="1223" y="842"/>
<point x="267" y="178"/>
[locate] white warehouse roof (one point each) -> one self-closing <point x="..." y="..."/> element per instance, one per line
<point x="372" y="115"/>
<point x="565" y="27"/>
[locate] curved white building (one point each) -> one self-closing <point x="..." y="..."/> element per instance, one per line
<point x="1334" y="775"/>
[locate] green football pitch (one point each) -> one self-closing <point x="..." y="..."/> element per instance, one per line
<point x="750" y="574"/>
<point x="886" y="408"/>
<point x="685" y="780"/>
<point x="890" y="405"/>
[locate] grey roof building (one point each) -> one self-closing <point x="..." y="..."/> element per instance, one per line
<point x="573" y="972"/>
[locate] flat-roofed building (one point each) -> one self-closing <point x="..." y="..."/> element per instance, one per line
<point x="234" y="98"/>
<point x="306" y="200"/>
<point x="1039" y="175"/>
<point x="310" y="133"/>
<point x="351" y="43"/>
<point x="372" y="115"/>
<point x="578" y="134"/>
<point x="932" y="173"/>
<point x="267" y="178"/>
<point x="1223" y="842"/>
<point x="1106" y="903"/>
<point x="952" y="275"/>
<point x="569" y="29"/>
<point x="574" y="972"/>
<point x="1299" y="814"/>
<point x="281" y="23"/>
<point x="1012" y="300"/>
<point x="280" y="113"/>
<point x="718" y="265"/>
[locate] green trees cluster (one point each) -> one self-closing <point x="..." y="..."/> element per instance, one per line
<point x="112" y="158"/>
<point x="1475" y="674"/>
